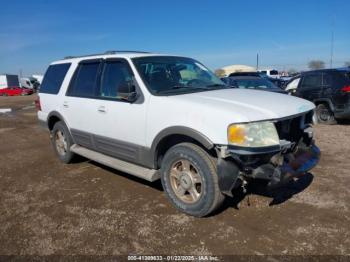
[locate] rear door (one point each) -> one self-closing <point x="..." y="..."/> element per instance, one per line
<point x="311" y="86"/>
<point x="80" y="104"/>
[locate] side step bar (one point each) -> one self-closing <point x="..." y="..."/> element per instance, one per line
<point x="132" y="169"/>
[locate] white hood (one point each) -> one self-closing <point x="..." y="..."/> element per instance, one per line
<point x="250" y="105"/>
<point x="210" y="113"/>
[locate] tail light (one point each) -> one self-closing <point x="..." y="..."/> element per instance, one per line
<point x="37" y="104"/>
<point x="346" y="89"/>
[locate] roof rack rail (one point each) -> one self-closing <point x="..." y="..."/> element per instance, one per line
<point x="111" y="52"/>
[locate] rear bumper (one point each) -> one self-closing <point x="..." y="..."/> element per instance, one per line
<point x="345" y="114"/>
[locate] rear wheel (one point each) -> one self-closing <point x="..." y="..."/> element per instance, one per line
<point x="325" y="115"/>
<point x="190" y="180"/>
<point x="62" y="141"/>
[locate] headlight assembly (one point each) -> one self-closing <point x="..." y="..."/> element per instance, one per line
<point x="259" y="134"/>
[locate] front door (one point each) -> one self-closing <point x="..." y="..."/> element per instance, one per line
<point x="120" y="126"/>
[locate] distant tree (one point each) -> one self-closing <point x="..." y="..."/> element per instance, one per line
<point x="220" y="72"/>
<point x="316" y="64"/>
<point x="292" y="71"/>
<point x="347" y="64"/>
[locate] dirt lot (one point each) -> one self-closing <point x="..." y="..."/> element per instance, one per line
<point x="85" y="208"/>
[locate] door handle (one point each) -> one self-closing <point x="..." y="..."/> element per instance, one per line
<point x="65" y="104"/>
<point x="101" y="109"/>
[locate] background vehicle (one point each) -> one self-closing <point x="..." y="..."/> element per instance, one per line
<point x="170" y="118"/>
<point x="278" y="82"/>
<point x="329" y="89"/>
<point x="30" y="83"/>
<point x="15" y="91"/>
<point x="252" y="82"/>
<point x="7" y="80"/>
<point x="38" y="78"/>
<point x="270" y="73"/>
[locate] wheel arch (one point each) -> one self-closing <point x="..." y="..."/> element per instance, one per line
<point x="326" y="101"/>
<point x="174" y="135"/>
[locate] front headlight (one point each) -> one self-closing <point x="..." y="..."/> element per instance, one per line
<point x="259" y="134"/>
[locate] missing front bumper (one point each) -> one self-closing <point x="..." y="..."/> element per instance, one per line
<point x="289" y="166"/>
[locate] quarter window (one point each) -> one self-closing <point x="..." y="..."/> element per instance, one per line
<point x="53" y="78"/>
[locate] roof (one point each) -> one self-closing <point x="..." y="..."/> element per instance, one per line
<point x="108" y="54"/>
<point x="328" y="70"/>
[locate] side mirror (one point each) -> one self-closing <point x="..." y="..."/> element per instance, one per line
<point x="133" y="96"/>
<point x="128" y="92"/>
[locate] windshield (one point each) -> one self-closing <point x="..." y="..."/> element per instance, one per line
<point x="252" y="83"/>
<point x="170" y="75"/>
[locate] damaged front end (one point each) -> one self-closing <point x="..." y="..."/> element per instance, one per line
<point x="295" y="156"/>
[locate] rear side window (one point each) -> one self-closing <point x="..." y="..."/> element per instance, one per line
<point x="84" y="82"/>
<point x="311" y="81"/>
<point x="53" y="78"/>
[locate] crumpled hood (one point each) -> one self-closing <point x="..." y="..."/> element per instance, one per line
<point x="247" y="105"/>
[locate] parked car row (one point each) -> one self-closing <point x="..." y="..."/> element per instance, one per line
<point x="328" y="89"/>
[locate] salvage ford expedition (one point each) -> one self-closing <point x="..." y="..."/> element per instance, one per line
<point x="170" y="118"/>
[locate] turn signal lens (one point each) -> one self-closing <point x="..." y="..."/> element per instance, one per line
<point x="236" y="134"/>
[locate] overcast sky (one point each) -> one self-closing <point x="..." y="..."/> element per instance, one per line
<point x="286" y="34"/>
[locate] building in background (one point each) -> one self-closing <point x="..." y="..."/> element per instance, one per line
<point x="227" y="70"/>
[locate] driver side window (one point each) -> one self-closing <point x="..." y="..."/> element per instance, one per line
<point x="116" y="80"/>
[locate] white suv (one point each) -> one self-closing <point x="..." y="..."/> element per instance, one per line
<point x="170" y="118"/>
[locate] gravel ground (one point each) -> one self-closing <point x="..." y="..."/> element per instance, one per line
<point x="84" y="208"/>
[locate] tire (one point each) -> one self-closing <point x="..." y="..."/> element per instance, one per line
<point x="188" y="165"/>
<point x="325" y="115"/>
<point x="62" y="147"/>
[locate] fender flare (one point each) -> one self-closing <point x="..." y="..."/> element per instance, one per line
<point x="178" y="130"/>
<point x="327" y="100"/>
<point x="58" y="115"/>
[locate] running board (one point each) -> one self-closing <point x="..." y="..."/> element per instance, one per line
<point x="132" y="169"/>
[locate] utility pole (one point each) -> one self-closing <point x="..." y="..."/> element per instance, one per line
<point x="257" y="61"/>
<point x="332" y="42"/>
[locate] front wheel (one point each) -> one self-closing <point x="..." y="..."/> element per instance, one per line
<point x="190" y="180"/>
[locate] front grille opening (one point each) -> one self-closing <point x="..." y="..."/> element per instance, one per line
<point x="292" y="129"/>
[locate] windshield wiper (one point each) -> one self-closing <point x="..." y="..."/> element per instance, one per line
<point x="215" y="85"/>
<point x="184" y="90"/>
<point x="179" y="87"/>
<point x="218" y="86"/>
